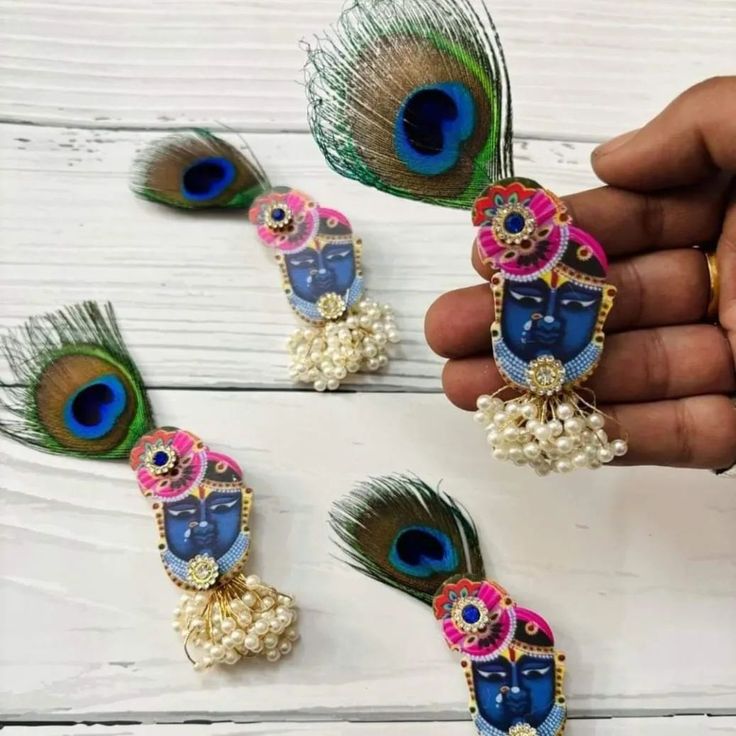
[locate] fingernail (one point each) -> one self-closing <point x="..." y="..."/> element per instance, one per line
<point x="615" y="143"/>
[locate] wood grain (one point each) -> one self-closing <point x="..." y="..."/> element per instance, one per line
<point x="198" y="297"/>
<point x="679" y="726"/>
<point x="634" y="568"/>
<point x="585" y="70"/>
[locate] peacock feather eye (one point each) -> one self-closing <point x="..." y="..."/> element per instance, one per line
<point x="75" y="389"/>
<point x="413" y="98"/>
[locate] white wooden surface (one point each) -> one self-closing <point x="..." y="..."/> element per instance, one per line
<point x="679" y="726"/>
<point x="635" y="568"/>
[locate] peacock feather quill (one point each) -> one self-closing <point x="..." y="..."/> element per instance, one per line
<point x="319" y="257"/>
<point x="413" y="98"/>
<point x="401" y="532"/>
<point x="75" y="389"/>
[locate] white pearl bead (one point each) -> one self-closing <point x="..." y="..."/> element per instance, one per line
<point x="574" y="426"/>
<point x="500" y="418"/>
<point x="564" y="412"/>
<point x="273" y="655"/>
<point x="500" y="453"/>
<point x="285" y="647"/>
<point x="580" y="459"/>
<point x="563" y="466"/>
<point x="596" y="421"/>
<point x="260" y="627"/>
<point x="543" y="432"/>
<point x="252" y="581"/>
<point x="532" y="450"/>
<point x="528" y="411"/>
<point x="619" y="447"/>
<point x="605" y="454"/>
<point x="555" y="427"/>
<point x="228" y="625"/>
<point x="565" y="445"/>
<point x="484" y="402"/>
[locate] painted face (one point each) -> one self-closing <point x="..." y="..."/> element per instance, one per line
<point x="548" y="316"/>
<point x="204" y="523"/>
<point x="513" y="692"/>
<point x="324" y="267"/>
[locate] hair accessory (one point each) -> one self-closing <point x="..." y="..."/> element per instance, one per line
<point x="317" y="252"/>
<point x="413" y="98"/>
<point x="202" y="507"/>
<point x="551" y="301"/>
<point x="77" y="392"/>
<point x="401" y="532"/>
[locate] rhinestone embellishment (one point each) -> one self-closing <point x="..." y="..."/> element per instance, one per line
<point x="331" y="306"/>
<point x="159" y="458"/>
<point x="546" y="375"/>
<point x="522" y="729"/>
<point x="470" y="615"/>
<point x="279" y="217"/>
<point x="513" y="224"/>
<point x="202" y="571"/>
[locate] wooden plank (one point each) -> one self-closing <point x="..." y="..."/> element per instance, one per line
<point x="678" y="726"/>
<point x="198" y="297"/>
<point x="578" y="69"/>
<point x="634" y="568"/>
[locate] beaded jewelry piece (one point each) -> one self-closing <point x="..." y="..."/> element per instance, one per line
<point x="76" y="391"/>
<point x="319" y="257"/>
<point x="551" y="300"/>
<point x="403" y="533"/>
<point x="202" y="507"/>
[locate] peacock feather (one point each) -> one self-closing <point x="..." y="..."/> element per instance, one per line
<point x="412" y="97"/>
<point x="198" y="170"/>
<point x="403" y="533"/>
<point x="75" y="389"/>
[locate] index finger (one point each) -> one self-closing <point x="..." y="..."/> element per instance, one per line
<point x="693" y="138"/>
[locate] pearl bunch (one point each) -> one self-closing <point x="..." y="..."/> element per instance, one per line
<point x="243" y="618"/>
<point x="324" y="356"/>
<point x="549" y="435"/>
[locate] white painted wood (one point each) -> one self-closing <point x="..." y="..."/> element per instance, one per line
<point x="198" y="297"/>
<point x="634" y="568"/>
<point x="579" y="69"/>
<point x="679" y="726"/>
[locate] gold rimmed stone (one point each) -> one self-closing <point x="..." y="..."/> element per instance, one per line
<point x="331" y="306"/>
<point x="546" y="375"/>
<point x="202" y="571"/>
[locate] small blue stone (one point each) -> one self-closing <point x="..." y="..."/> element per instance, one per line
<point x="160" y="458"/>
<point x="514" y="223"/>
<point x="471" y="614"/>
<point x="277" y="214"/>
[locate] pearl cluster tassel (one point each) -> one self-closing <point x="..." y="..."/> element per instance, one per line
<point x="242" y="618"/>
<point x="548" y="434"/>
<point x="324" y="356"/>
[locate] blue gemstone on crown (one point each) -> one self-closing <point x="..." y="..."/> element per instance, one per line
<point x="278" y="214"/>
<point x="160" y="459"/>
<point x="471" y="614"/>
<point x="514" y="223"/>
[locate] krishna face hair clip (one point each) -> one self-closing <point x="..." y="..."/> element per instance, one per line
<point x="551" y="301"/>
<point x="413" y="98"/>
<point x="76" y="391"/>
<point x="318" y="255"/>
<point x="401" y="532"/>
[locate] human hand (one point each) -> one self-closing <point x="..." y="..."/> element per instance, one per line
<point x="666" y="374"/>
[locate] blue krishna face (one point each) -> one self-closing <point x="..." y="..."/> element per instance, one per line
<point x="542" y="317"/>
<point x="322" y="268"/>
<point x="203" y="523"/>
<point x="509" y="693"/>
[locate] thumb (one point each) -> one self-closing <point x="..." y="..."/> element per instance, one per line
<point x="694" y="137"/>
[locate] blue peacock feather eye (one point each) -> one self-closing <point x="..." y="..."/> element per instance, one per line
<point x="422" y="551"/>
<point x="207" y="178"/>
<point x="92" y="411"/>
<point x="432" y="125"/>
